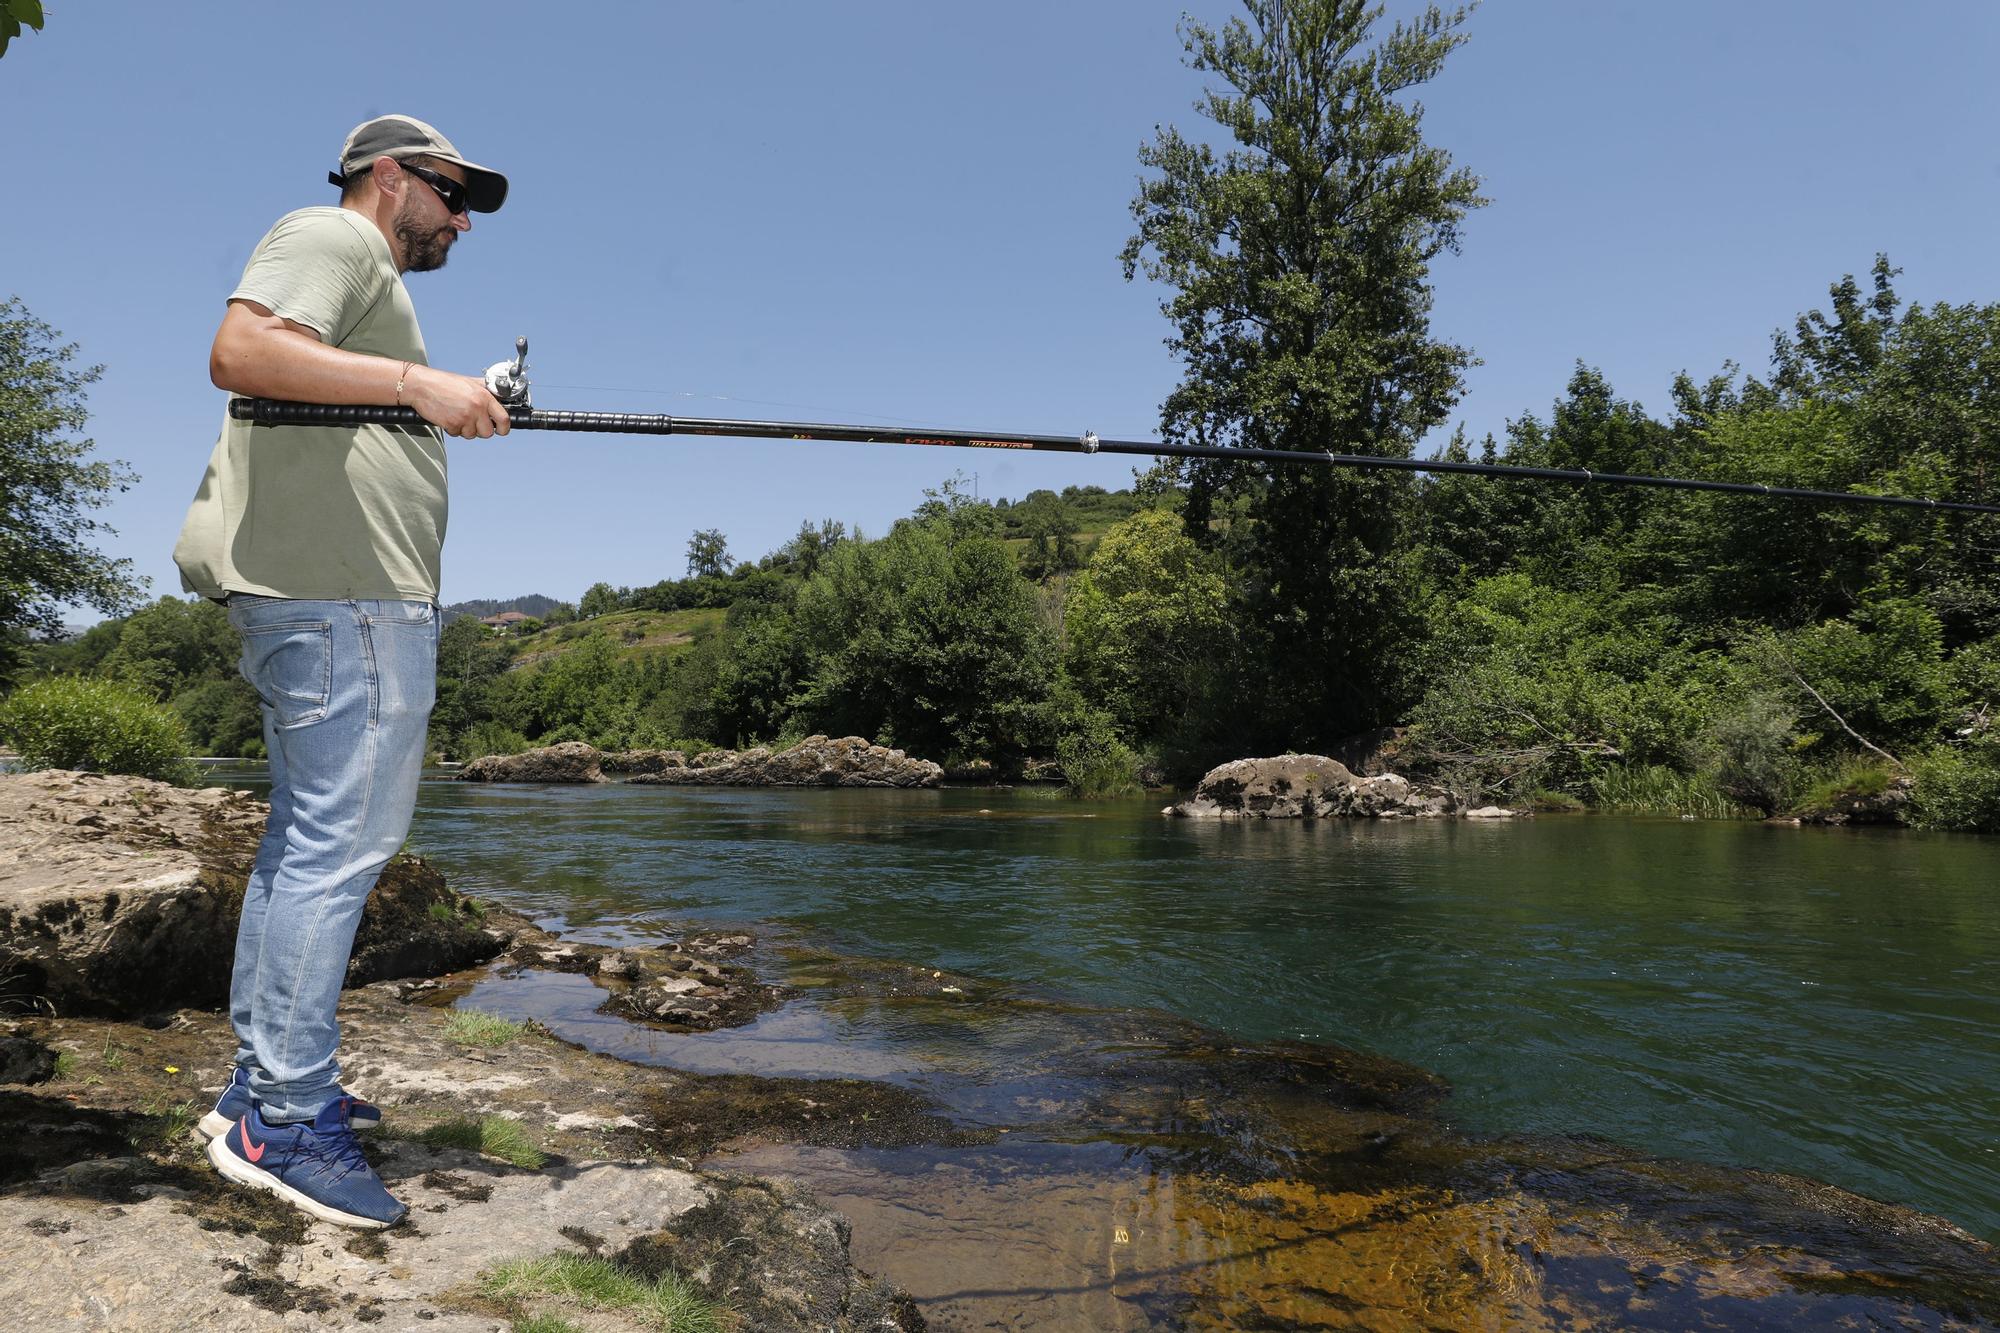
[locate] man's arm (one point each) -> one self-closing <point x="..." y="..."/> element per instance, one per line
<point x="262" y="355"/>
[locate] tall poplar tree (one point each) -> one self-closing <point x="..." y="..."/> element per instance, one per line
<point x="1299" y="262"/>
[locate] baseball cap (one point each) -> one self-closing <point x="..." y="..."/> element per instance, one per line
<point x="406" y="136"/>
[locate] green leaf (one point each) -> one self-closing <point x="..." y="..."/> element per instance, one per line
<point x="9" y="30"/>
<point x="25" y="11"/>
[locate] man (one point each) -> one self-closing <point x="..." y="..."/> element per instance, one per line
<point x="324" y="543"/>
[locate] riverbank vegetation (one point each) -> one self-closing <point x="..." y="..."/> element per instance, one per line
<point x="1529" y="642"/>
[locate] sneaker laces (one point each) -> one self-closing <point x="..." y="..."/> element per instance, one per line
<point x="337" y="1148"/>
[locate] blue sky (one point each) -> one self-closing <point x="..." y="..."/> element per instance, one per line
<point x="902" y="212"/>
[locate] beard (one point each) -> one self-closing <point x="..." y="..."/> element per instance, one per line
<point x="424" y="248"/>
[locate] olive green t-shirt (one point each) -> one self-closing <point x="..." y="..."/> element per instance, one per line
<point x="322" y="512"/>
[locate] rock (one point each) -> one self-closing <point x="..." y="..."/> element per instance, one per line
<point x="816" y="761"/>
<point x="25" y="1060"/>
<point x="778" y="1260"/>
<point x="119" y="896"/>
<point x="1489" y="812"/>
<point x="1888" y="806"/>
<point x="571" y="761"/>
<point x="642" y="761"/>
<point x="1305" y="786"/>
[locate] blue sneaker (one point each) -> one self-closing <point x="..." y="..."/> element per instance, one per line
<point x="316" y="1166"/>
<point x="236" y="1099"/>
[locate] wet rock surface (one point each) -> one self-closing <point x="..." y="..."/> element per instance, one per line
<point x="1307" y="786"/>
<point x="110" y="1215"/>
<point x="120" y="895"/>
<point x="698" y="981"/>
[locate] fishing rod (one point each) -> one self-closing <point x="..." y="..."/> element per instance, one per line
<point x="508" y="382"/>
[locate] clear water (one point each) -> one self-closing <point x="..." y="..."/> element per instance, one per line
<point x="1820" y="1001"/>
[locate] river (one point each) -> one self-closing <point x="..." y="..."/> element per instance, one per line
<point x="1820" y="1001"/>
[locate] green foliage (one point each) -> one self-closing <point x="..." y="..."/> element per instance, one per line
<point x="1147" y="626"/>
<point x="1882" y="670"/>
<point x="598" y="601"/>
<point x="1958" y="787"/>
<point x="1537" y="689"/>
<point x="1094" y="762"/>
<point x="1750" y="745"/>
<point x="99" y="725"/>
<point x="49" y="485"/>
<point x="708" y="554"/>
<point x="1849" y="778"/>
<point x="1301" y="317"/>
<point x="16" y="14"/>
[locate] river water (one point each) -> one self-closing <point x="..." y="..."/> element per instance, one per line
<point x="1818" y="1001"/>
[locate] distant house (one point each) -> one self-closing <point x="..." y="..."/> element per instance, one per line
<point x="503" y="622"/>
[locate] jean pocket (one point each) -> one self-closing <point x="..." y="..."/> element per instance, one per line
<point x="403" y="615"/>
<point x="290" y="665"/>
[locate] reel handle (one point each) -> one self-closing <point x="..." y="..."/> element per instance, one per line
<point x="508" y="380"/>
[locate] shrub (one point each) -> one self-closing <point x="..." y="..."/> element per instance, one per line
<point x="490" y="737"/>
<point x="77" y="722"/>
<point x="1095" y="763"/>
<point x="1958" y="789"/>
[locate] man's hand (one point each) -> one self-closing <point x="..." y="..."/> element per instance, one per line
<point x="456" y="404"/>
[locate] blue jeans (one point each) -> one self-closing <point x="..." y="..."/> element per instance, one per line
<point x="347" y="689"/>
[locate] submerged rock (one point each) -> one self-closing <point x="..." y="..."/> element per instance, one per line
<point x="119" y="896"/>
<point x="1306" y="786"/>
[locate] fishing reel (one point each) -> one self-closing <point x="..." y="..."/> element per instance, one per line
<point x="508" y="380"/>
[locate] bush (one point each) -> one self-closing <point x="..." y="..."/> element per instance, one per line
<point x="77" y="722"/>
<point x="1958" y="789"/>
<point x="484" y="738"/>
<point x="1095" y="763"/>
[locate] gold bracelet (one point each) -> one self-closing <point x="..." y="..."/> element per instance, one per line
<point x="402" y="375"/>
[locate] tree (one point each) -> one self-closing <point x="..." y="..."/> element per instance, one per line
<point x="48" y="486"/>
<point x="13" y="15"/>
<point x="599" y="601"/>
<point x="1299" y="264"/>
<point x="1147" y="626"/>
<point x="1050" y="526"/>
<point x="708" y="554"/>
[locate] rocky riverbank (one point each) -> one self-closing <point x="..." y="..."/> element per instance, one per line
<point x="816" y="761"/>
<point x="117" y="913"/>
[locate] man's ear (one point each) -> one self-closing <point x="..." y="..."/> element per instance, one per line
<point x="388" y="176"/>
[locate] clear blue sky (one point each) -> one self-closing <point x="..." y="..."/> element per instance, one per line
<point x="912" y="212"/>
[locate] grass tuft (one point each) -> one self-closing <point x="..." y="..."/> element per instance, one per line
<point x="1654" y="789"/>
<point x="65" y="1064"/>
<point x="670" y="1304"/>
<point x="494" y="1135"/>
<point x="470" y="1027"/>
<point x="546" y="1323"/>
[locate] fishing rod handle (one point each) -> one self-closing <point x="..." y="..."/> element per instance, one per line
<point x="272" y="412"/>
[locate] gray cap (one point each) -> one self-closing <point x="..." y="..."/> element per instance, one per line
<point x="406" y="136"/>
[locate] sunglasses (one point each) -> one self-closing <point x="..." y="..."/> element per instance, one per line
<point x="449" y="190"/>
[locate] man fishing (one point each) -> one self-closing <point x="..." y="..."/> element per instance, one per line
<point x="324" y="543"/>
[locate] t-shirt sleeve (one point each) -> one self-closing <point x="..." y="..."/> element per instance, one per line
<point x="314" y="269"/>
